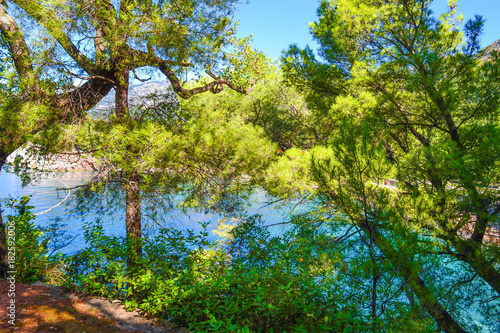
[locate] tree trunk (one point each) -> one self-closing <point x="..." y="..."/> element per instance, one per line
<point x="132" y="188"/>
<point x="3" y="158"/>
<point x="426" y="298"/>
<point x="133" y="218"/>
<point x="121" y="93"/>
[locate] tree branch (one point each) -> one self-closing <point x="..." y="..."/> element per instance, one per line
<point x="17" y="45"/>
<point x="216" y="86"/>
<point x="50" y="21"/>
<point x="75" y="103"/>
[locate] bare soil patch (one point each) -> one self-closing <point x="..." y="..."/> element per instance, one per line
<point x="46" y="308"/>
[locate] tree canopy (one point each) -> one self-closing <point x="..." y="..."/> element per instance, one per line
<point x="64" y="56"/>
<point x="409" y="100"/>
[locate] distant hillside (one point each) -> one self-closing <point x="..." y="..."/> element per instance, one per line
<point x="138" y="96"/>
<point x="485" y="54"/>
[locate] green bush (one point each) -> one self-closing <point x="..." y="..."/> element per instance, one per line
<point x="261" y="284"/>
<point x="31" y="259"/>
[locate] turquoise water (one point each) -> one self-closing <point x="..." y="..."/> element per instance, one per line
<point x="51" y="200"/>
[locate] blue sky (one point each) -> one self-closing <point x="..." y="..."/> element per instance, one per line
<point x="275" y="24"/>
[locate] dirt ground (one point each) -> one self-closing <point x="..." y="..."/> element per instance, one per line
<point x="46" y="308"/>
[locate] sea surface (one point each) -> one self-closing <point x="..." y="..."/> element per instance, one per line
<point x="51" y="200"/>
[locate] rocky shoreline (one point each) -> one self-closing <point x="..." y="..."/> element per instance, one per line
<point x="63" y="162"/>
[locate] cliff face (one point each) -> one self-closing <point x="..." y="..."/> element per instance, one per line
<point x="485" y="54"/>
<point x="140" y="95"/>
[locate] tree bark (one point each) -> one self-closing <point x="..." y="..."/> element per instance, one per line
<point x="121" y="93"/>
<point x="133" y="218"/>
<point x="132" y="186"/>
<point x="74" y="104"/>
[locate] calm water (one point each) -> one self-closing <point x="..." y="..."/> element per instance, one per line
<point x="48" y="193"/>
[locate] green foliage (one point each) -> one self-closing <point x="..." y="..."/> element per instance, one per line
<point x="258" y="284"/>
<point x="406" y="98"/>
<point x="202" y="155"/>
<point x="50" y="77"/>
<point x="306" y="280"/>
<point x="394" y="93"/>
<point x="279" y="110"/>
<point x="29" y="245"/>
